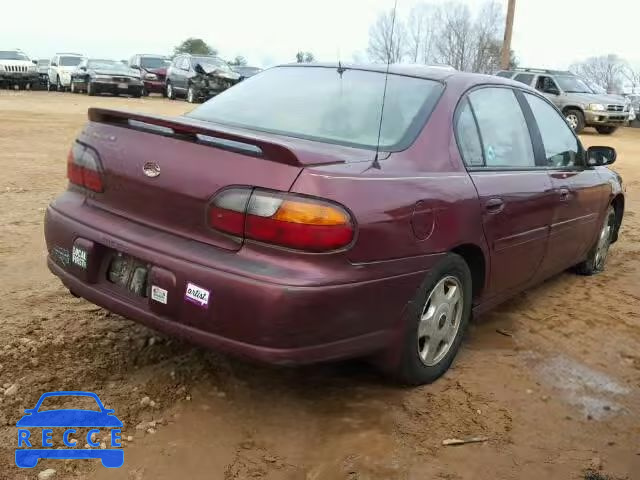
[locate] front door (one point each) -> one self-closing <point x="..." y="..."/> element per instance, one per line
<point x="515" y="193"/>
<point x="580" y="194"/>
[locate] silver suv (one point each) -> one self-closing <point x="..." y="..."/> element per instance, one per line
<point x="581" y="106"/>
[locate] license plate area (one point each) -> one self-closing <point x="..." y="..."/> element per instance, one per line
<point x="123" y="86"/>
<point x="129" y="273"/>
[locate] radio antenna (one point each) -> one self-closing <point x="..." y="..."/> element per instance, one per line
<point x="376" y="163"/>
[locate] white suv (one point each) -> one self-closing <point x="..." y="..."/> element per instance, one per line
<point x="16" y="68"/>
<point x="60" y="69"/>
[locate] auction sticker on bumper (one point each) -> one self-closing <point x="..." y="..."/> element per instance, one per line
<point x="159" y="294"/>
<point x="79" y="257"/>
<point x="197" y="295"/>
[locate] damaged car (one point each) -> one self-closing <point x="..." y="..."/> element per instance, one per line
<point x="198" y="77"/>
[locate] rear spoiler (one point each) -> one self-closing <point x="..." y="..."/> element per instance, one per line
<point x="196" y="131"/>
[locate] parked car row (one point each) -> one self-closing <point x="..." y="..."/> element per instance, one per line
<point x="194" y="77"/>
<point x="580" y="104"/>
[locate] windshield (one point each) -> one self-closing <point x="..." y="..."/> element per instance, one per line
<point x="43" y="63"/>
<point x="571" y="84"/>
<point x="70" y="61"/>
<point x="108" y="65"/>
<point x="212" y="61"/>
<point x="318" y="103"/>
<point x="12" y="55"/>
<point x="153" y="62"/>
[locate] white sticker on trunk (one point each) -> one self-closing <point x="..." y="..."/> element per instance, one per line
<point x="197" y="295"/>
<point x="79" y="257"/>
<point x="159" y="294"/>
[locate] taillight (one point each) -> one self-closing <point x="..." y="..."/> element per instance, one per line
<point x="284" y="219"/>
<point x="83" y="168"/>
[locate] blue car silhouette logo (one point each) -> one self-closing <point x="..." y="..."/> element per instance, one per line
<point x="29" y="452"/>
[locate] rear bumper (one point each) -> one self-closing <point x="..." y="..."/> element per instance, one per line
<point x="608" y="119"/>
<point x="250" y="311"/>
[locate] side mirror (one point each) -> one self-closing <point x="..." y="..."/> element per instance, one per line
<point x="35" y="62"/>
<point x="552" y="91"/>
<point x="198" y="69"/>
<point x="84" y="69"/>
<point x="597" y="156"/>
<point x="54" y="64"/>
<point x="135" y="67"/>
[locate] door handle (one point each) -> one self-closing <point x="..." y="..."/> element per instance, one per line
<point x="494" y="205"/>
<point x="564" y="194"/>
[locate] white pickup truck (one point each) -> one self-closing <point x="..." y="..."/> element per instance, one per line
<point x="16" y="68"/>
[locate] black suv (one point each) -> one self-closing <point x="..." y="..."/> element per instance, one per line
<point x="198" y="77"/>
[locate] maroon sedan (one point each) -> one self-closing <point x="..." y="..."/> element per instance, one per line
<point x="153" y="71"/>
<point x="284" y="221"/>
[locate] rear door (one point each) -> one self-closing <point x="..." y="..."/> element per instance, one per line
<point x="580" y="194"/>
<point x="515" y="192"/>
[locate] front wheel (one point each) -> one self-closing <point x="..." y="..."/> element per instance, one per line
<point x="50" y="86"/>
<point x="191" y="94"/>
<point x="598" y="254"/>
<point x="72" y="87"/>
<point x="606" y="130"/>
<point x="575" y="119"/>
<point x="439" y="315"/>
<point x="91" y="89"/>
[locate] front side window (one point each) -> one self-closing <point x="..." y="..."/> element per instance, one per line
<point x="503" y="128"/>
<point x="560" y="144"/>
<point x="546" y="84"/>
<point x="468" y="137"/>
<point x="324" y="104"/>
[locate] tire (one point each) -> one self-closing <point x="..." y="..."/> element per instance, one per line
<point x="191" y="95"/>
<point x="575" y="119"/>
<point x="606" y="130"/>
<point x="50" y="86"/>
<point x="72" y="87"/>
<point x="91" y="89"/>
<point x="138" y="94"/>
<point x="171" y="93"/>
<point x="59" y="86"/>
<point x="436" y="325"/>
<point x="597" y="256"/>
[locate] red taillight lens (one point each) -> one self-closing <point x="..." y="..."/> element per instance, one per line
<point x="83" y="168"/>
<point x="289" y="220"/>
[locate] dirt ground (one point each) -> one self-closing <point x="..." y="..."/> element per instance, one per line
<point x="557" y="396"/>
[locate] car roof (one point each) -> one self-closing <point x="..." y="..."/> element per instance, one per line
<point x="69" y="54"/>
<point x="429" y="72"/>
<point x="151" y="55"/>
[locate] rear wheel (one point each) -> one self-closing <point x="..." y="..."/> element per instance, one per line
<point x="171" y="94"/>
<point x="438" y="319"/>
<point x="598" y="254"/>
<point x="606" y="130"/>
<point x="575" y="119"/>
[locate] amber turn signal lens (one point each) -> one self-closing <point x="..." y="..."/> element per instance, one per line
<point x="310" y="213"/>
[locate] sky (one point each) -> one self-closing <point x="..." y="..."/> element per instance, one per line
<point x="547" y="33"/>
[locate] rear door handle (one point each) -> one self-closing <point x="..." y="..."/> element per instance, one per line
<point x="494" y="205"/>
<point x="564" y="194"/>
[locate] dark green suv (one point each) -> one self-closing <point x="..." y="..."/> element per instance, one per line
<point x="581" y="106"/>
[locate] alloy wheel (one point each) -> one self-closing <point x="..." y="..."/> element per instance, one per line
<point x="572" y="120"/>
<point x="602" y="249"/>
<point x="440" y="320"/>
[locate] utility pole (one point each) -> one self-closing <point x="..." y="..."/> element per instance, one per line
<point x="508" y="30"/>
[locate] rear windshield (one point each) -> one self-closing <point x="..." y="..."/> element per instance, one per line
<point x="320" y="103"/>
<point x="70" y="61"/>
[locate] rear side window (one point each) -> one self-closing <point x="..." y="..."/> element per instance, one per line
<point x="525" y="78"/>
<point x="468" y="137"/>
<point x="324" y="104"/>
<point x="560" y="144"/>
<point x="504" y="74"/>
<point x="503" y="128"/>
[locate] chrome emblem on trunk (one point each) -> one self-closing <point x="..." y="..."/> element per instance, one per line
<point x="151" y="169"/>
